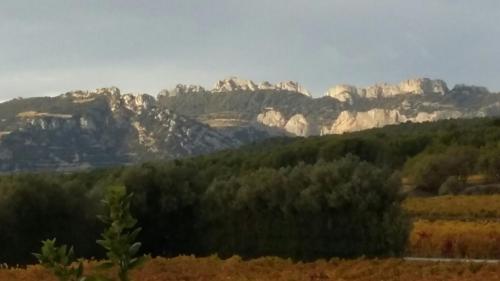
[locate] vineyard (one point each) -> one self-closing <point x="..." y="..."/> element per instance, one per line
<point x="455" y="226"/>
<point x="455" y="239"/>
<point x="214" y="269"/>
<point x="484" y="207"/>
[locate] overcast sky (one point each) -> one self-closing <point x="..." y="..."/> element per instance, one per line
<point x="52" y="46"/>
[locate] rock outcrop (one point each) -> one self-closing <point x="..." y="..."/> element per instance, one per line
<point x="106" y="127"/>
<point x="298" y="125"/>
<point x="292" y="87"/>
<point x="351" y="121"/>
<point x="234" y="84"/>
<point x="347" y="108"/>
<point x="421" y="86"/>
<point x="343" y="93"/>
<point x="271" y="118"/>
<point x="137" y="103"/>
<point x="110" y="128"/>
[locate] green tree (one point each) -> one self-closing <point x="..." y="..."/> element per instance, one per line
<point x="119" y="238"/>
<point x="489" y="162"/>
<point x="431" y="169"/>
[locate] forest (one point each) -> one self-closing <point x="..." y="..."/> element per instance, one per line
<point x="300" y="198"/>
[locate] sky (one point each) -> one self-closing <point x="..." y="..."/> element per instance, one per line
<point x="54" y="46"/>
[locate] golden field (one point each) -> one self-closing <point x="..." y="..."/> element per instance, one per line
<point x="455" y="239"/>
<point x="455" y="226"/>
<point x="188" y="268"/>
<point x="466" y="207"/>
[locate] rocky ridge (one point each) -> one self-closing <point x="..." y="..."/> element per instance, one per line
<point x="235" y="84"/>
<point x="99" y="128"/>
<point x="419" y="86"/>
<point x="344" y="108"/>
<point x="106" y="127"/>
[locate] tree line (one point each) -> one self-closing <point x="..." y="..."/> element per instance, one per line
<point x="302" y="198"/>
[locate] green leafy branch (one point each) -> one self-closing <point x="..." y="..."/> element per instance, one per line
<point x="60" y="261"/>
<point x="118" y="240"/>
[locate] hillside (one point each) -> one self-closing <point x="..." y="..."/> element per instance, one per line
<point x="102" y="128"/>
<point x="97" y="129"/>
<point x="237" y="102"/>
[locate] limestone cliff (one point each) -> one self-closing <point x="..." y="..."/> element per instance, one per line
<point x="344" y="108"/>
<point x="98" y="128"/>
<point x="420" y="86"/>
<point x="106" y="127"/>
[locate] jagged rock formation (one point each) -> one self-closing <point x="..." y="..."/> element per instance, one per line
<point x="235" y="84"/>
<point x="292" y="87"/>
<point x="344" y="108"/>
<point x="298" y="125"/>
<point x="351" y="121"/>
<point x="343" y="93"/>
<point x="271" y="118"/>
<point x="105" y="127"/>
<point x="421" y="86"/>
<point x="100" y="128"/>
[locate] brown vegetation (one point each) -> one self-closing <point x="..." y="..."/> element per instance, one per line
<point x="214" y="269"/>
<point x="455" y="239"/>
<point x="455" y="207"/>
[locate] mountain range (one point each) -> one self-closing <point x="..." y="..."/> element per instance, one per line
<point x="104" y="127"/>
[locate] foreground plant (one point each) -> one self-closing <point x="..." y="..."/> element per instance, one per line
<point x="119" y="238"/>
<point x="60" y="261"/>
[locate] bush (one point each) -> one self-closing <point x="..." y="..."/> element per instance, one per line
<point x="346" y="208"/>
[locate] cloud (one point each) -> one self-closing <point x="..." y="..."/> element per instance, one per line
<point x="60" y="45"/>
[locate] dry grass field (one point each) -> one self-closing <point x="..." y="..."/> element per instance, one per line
<point x="455" y="226"/>
<point x="214" y="269"/>
<point x="463" y="207"/>
<point x="455" y="239"/>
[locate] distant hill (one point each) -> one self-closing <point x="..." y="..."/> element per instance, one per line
<point x="105" y="127"/>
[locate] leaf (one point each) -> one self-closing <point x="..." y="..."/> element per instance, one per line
<point x="37" y="256"/>
<point x="134" y="233"/>
<point x="136" y="262"/>
<point x="134" y="249"/>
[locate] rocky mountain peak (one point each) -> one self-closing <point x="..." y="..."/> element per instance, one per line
<point x="418" y="86"/>
<point x="111" y="91"/>
<point x="423" y="86"/>
<point x="117" y="101"/>
<point x="292" y="87"/>
<point x="232" y="84"/>
<point x="105" y="127"/>
<point x="83" y="95"/>
<point x="237" y="84"/>
<point x="138" y="102"/>
<point x="343" y="93"/>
